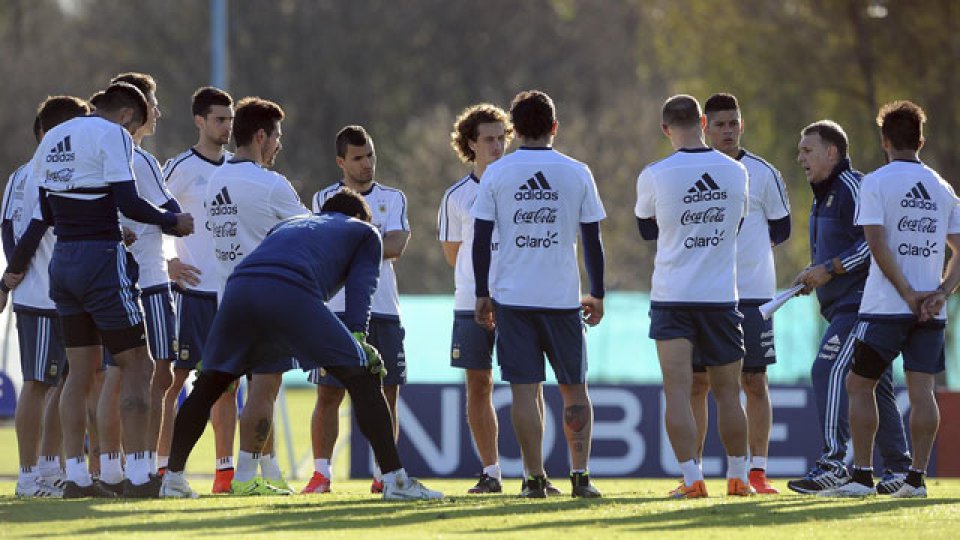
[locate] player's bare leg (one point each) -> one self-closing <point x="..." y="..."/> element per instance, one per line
<point x="84" y="362"/>
<point x="28" y="425"/>
<point x="528" y="426"/>
<point x="162" y="380"/>
<point x="256" y="422"/>
<point x="481" y="415"/>
<point x="732" y="424"/>
<point x="698" y="403"/>
<point x="223" y="419"/>
<point x="136" y="367"/>
<point x="110" y="431"/>
<point x="681" y="427"/>
<point x="169" y="415"/>
<point x="759" y="420"/>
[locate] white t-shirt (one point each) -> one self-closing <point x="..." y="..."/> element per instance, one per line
<point x="148" y="249"/>
<point x="186" y="177"/>
<point x="697" y="197"/>
<point x="21" y="200"/>
<point x="917" y="210"/>
<point x="756" y="275"/>
<point x="389" y="207"/>
<point x="537" y="199"/>
<point x="454" y="224"/>
<point x="82" y="153"/>
<point x="245" y="201"/>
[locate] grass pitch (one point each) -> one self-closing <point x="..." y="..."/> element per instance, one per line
<point x="630" y="508"/>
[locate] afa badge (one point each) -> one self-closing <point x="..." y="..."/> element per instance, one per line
<point x="383" y="208"/>
<point x="185" y="355"/>
<point x="455" y="353"/>
<point x="52" y="370"/>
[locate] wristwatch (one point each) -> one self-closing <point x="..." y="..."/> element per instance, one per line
<point x="828" y="266"/>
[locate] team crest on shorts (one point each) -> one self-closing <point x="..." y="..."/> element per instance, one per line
<point x="455" y="353"/>
<point x="185" y="355"/>
<point x="52" y="370"/>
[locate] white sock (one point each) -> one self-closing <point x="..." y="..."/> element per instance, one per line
<point x="391" y="477"/>
<point x="322" y="466"/>
<point x="152" y="461"/>
<point x="163" y="462"/>
<point x="737" y="467"/>
<point x="225" y="462"/>
<point x="111" y="468"/>
<point x="758" y="462"/>
<point x="28" y="475"/>
<point x="691" y="472"/>
<point x="270" y="467"/>
<point x="138" y="468"/>
<point x="493" y="471"/>
<point x="77" y="471"/>
<point x="49" y="466"/>
<point x="247" y="465"/>
<point x="377" y="474"/>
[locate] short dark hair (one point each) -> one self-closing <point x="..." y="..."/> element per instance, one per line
<point x="58" y="109"/>
<point x="720" y="101"/>
<point x="206" y="97"/>
<point x="831" y="133"/>
<point x="901" y="123"/>
<point x="352" y="136"/>
<point x="350" y="203"/>
<point x="682" y="111"/>
<point x="121" y="95"/>
<point x="254" y="114"/>
<point x="142" y="81"/>
<point x="533" y="114"/>
<point x="465" y="128"/>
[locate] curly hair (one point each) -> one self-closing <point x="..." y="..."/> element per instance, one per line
<point x="465" y="128"/>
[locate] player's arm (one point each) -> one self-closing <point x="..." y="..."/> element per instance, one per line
<point x="450" y="251"/>
<point x="934" y="303"/>
<point x="137" y="209"/>
<point x="482" y="240"/>
<point x="648" y="228"/>
<point x="779" y="230"/>
<point x="776" y="206"/>
<point x="395" y="243"/>
<point x="361" y="283"/>
<point x="593" y="260"/>
<point x="449" y="224"/>
<point x="885" y="259"/>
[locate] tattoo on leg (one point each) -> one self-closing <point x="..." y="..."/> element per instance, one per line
<point x="576" y="417"/>
<point x="136" y="405"/>
<point x="262" y="430"/>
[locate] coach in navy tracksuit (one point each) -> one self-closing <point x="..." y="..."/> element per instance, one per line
<point x="840" y="260"/>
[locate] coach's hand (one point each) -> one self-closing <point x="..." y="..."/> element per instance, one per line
<point x="12" y="280"/>
<point x="374" y="360"/>
<point x="184" y="224"/>
<point x="592" y="309"/>
<point x="812" y="277"/>
<point x="182" y="273"/>
<point x="483" y="314"/>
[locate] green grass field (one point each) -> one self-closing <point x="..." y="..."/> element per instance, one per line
<point x="630" y="508"/>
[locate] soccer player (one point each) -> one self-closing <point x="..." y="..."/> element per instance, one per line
<point x="908" y="214"/>
<point x="86" y="171"/>
<point x="147" y="250"/>
<point x="480" y="135"/>
<point x="538" y="198"/>
<point x="766" y="224"/>
<point x="692" y="203"/>
<point x="840" y="257"/>
<point x="357" y="158"/>
<point x="192" y="271"/>
<point x="244" y="201"/>
<point x="273" y="306"/>
<point x="42" y="356"/>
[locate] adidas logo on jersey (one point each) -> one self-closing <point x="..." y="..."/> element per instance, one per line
<point x="705" y="189"/>
<point x="918" y="197"/>
<point x="536" y="189"/>
<point x="221" y="205"/>
<point x="835" y="340"/>
<point x="61" y="152"/>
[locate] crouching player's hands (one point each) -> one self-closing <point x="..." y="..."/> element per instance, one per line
<point x="374" y="360"/>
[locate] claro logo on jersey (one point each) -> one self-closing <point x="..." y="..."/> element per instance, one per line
<point x="918" y="197"/>
<point x="546" y="241"/>
<point x="705" y="189"/>
<point x="231" y="254"/>
<point x="542" y="215"/>
<point x="927" y="249"/>
<point x="536" y="189"/>
<point x="221" y="205"/>
<point x="693" y="242"/>
<point x="62" y="152"/>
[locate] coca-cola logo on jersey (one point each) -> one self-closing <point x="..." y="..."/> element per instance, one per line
<point x="227" y="229"/>
<point x="541" y="215"/>
<point x="714" y="214"/>
<point x="921" y="225"/>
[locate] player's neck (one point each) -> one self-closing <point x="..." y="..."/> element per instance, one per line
<point x="478" y="169"/>
<point x="903" y="155"/>
<point x="687" y="140"/>
<point x="543" y="142"/>
<point x="209" y="150"/>
<point x="248" y="153"/>
<point x="735" y="153"/>
<point x="359" y="187"/>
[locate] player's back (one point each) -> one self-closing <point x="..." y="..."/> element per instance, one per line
<point x="917" y="209"/>
<point x="698" y="198"/>
<point x="537" y="198"/>
<point x="245" y="201"/>
<point x="756" y="276"/>
<point x="315" y="252"/>
<point x="186" y="177"/>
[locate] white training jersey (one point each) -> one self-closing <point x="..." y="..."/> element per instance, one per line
<point x="84" y="153"/>
<point x="455" y="224"/>
<point x="21" y="201"/>
<point x="698" y="197"/>
<point x="756" y="275"/>
<point x="537" y="199"/>
<point x="244" y="202"/>
<point x="187" y="176"/>
<point x="917" y="210"/>
<point x="389" y="207"/>
<point x="148" y="249"/>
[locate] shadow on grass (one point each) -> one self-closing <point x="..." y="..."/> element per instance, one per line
<point x="229" y="516"/>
